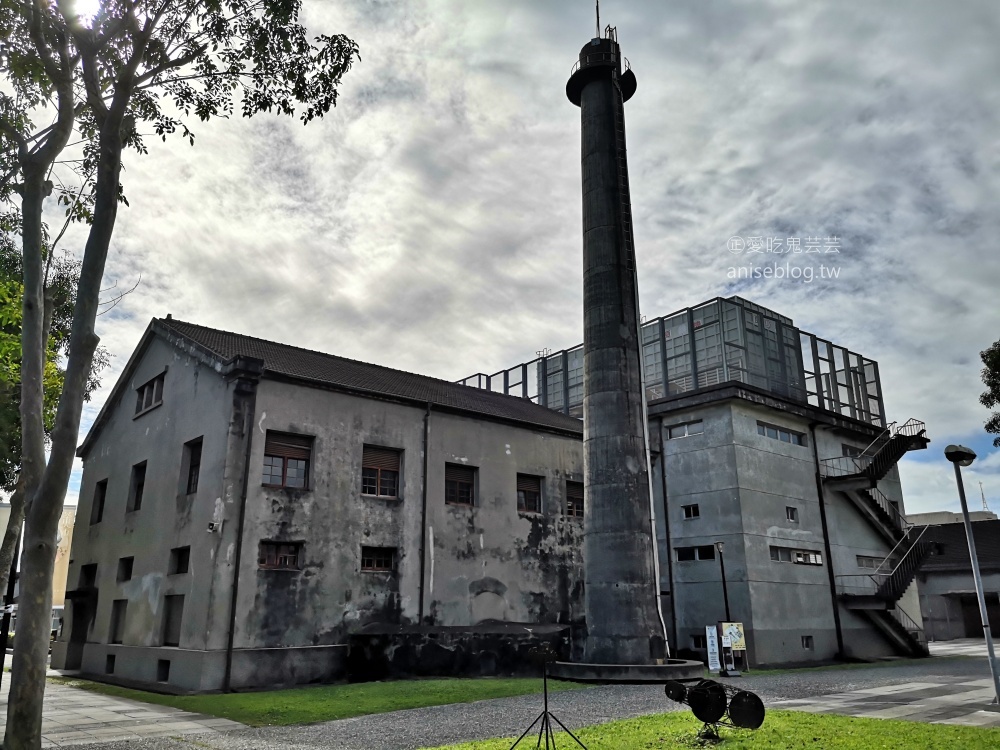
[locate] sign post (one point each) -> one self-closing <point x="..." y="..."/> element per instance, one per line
<point x="712" y="644"/>
<point x="734" y="638"/>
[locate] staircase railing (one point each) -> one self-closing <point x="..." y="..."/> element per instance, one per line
<point x="897" y="569"/>
<point x="879" y="498"/>
<point x="909" y="625"/>
<point x="903" y="572"/>
<point x="875" y="461"/>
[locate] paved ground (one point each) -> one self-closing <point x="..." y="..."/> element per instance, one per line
<point x="71" y="716"/>
<point x="944" y="690"/>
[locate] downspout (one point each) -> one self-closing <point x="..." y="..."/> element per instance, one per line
<point x="245" y="387"/>
<point x="826" y="544"/>
<point x="666" y="527"/>
<point x="423" y="515"/>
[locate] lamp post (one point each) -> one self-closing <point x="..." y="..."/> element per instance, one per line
<point x="960" y="456"/>
<point x="725" y="590"/>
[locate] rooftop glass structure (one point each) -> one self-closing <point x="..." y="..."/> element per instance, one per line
<point x="720" y="341"/>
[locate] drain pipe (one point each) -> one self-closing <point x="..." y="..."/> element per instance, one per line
<point x="666" y="527"/>
<point x="423" y="516"/>
<point x="826" y="543"/>
<point x="246" y="388"/>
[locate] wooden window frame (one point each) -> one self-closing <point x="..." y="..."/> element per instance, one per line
<point x="278" y="447"/>
<point x="275" y="555"/>
<point x="380" y="461"/>
<point x="149" y="395"/>
<point x="454" y="485"/>
<point x="380" y="559"/>
<point x="529" y="488"/>
<point x="575" y="503"/>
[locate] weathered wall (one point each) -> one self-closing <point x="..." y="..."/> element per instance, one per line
<point x="196" y="403"/>
<point x="948" y="605"/>
<point x="484" y="562"/>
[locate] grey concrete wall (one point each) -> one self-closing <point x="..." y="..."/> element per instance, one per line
<point x="941" y="607"/>
<point x="196" y="403"/>
<point x="484" y="562"/>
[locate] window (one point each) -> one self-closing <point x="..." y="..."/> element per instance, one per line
<point x="88" y="576"/>
<point x="870" y="563"/>
<point x="286" y="460"/>
<point x="163" y="670"/>
<point x="683" y="430"/>
<point x="529" y="494"/>
<point x="378" y="559"/>
<point x="173" y="611"/>
<point x="192" y="452"/>
<point x="125" y="569"/>
<point x="574" y="499"/>
<point x="280" y="555"/>
<point x="136" y="487"/>
<point x="459" y="484"/>
<point x="691" y="511"/>
<point x="97" y="509"/>
<point x="380" y="472"/>
<point x="780" y="433"/>
<point x="704" y="552"/>
<point x="807" y="642"/>
<point x="850" y="451"/>
<point x="118" y="609"/>
<point x="180" y="560"/>
<point x="698" y="642"/>
<point x="797" y="556"/>
<point x="149" y="395"/>
<point x="109" y="664"/>
<point x="792" y="513"/>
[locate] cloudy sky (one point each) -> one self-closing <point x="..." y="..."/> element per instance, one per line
<point x="432" y="221"/>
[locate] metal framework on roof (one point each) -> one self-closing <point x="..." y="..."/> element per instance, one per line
<point x="719" y="341"/>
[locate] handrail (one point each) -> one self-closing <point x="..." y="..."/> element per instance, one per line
<point x="887" y="432"/>
<point x="911" y="428"/>
<point x="912" y="545"/>
<point x="596" y="58"/>
<point x="908" y="624"/>
<point x="886" y="505"/>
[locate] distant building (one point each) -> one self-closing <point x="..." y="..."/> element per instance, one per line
<point x="948" y="601"/>
<point x="939" y="517"/>
<point x="63" y="541"/>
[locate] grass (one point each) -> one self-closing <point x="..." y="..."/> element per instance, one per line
<point x="782" y="730"/>
<point x="328" y="702"/>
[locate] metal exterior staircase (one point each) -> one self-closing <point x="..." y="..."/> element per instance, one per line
<point x="876" y="595"/>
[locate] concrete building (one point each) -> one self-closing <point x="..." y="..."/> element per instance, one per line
<point x="246" y="505"/>
<point x="948" y="600"/>
<point x="774" y="443"/>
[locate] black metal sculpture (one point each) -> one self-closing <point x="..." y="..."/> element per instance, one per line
<point x="545" y="654"/>
<point x="715" y="705"/>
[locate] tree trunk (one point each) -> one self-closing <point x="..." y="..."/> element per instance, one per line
<point x="9" y="547"/>
<point x="34" y="617"/>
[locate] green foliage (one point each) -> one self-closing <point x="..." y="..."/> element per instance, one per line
<point x="305" y="705"/>
<point x="782" y="730"/>
<point x="991" y="398"/>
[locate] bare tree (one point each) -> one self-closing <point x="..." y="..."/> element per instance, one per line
<point x="135" y="64"/>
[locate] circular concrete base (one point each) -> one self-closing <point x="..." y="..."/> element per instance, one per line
<point x="627" y="674"/>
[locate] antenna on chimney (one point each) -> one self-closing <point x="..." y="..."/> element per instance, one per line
<point x="598" y="34"/>
<point x="983" y="494"/>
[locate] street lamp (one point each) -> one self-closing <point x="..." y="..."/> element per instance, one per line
<point x="725" y="590"/>
<point x="960" y="456"/>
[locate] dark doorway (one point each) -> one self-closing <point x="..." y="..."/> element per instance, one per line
<point x="82" y="615"/>
<point x="970" y="614"/>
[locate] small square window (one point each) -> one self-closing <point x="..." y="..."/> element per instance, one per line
<point x="459" y="484"/>
<point x="163" y="670"/>
<point x="109" y="664"/>
<point x="685" y="554"/>
<point x="772" y="433"/>
<point x="280" y="555"/>
<point x="380" y="471"/>
<point x="286" y="460"/>
<point x="180" y="560"/>
<point x="691" y="511"/>
<point x="378" y="559"/>
<point x="761" y="430"/>
<point x="792" y="514"/>
<point x="706" y="552"/>
<point x="807" y="642"/>
<point x="149" y="394"/>
<point x="698" y="642"/>
<point x="529" y="494"/>
<point x="124" y="569"/>
<point x="695" y="428"/>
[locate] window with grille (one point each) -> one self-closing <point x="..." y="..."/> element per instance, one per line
<point x="280" y="555"/>
<point x="136" y="488"/>
<point x="529" y="494"/>
<point x="193" y="461"/>
<point x="149" y="395"/>
<point x="286" y="460"/>
<point x="797" y="556"/>
<point x="459" y="484"/>
<point x="380" y="472"/>
<point x="574" y="499"/>
<point x="378" y="559"/>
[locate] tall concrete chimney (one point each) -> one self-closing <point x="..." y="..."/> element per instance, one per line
<point x="624" y="625"/>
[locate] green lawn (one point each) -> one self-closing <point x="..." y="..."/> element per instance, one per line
<point x="327" y="702"/>
<point x="782" y="730"/>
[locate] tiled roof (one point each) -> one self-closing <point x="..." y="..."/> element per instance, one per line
<point x="327" y="369"/>
<point x="954" y="548"/>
